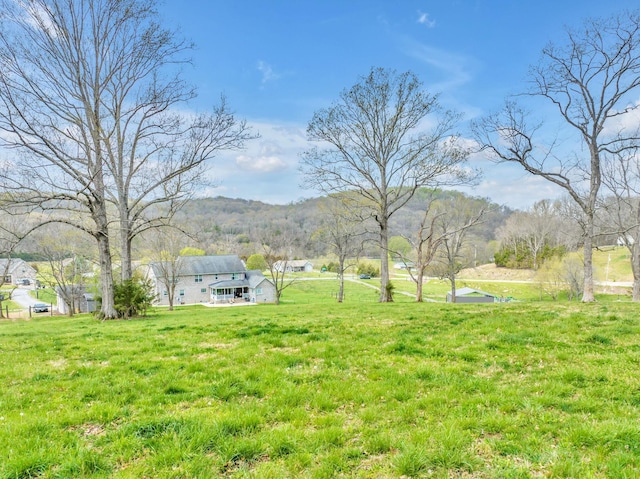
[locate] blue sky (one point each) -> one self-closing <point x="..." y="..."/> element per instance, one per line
<point x="279" y="61"/>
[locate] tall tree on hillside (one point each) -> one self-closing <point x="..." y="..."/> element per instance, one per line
<point x="375" y="142"/>
<point x="593" y="83"/>
<point x="87" y="90"/>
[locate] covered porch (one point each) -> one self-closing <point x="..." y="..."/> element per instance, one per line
<point x="229" y="291"/>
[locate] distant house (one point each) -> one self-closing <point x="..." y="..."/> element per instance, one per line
<point x="16" y="271"/>
<point x="470" y="295"/>
<point x="404" y="265"/>
<point x="294" y="266"/>
<point x="213" y="279"/>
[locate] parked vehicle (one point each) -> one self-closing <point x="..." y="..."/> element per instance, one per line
<point x="40" y="308"/>
<point x="365" y="276"/>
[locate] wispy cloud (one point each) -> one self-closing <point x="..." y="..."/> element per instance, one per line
<point x="267" y="71"/>
<point x="453" y="68"/>
<point x="423" y="19"/>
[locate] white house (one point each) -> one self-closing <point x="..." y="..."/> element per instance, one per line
<point x="294" y="266"/>
<point x="212" y="279"/>
<point x="16" y="270"/>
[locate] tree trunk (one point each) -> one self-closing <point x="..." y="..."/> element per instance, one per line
<point x="635" y="268"/>
<point x="385" y="294"/>
<point x="108" y="310"/>
<point x="126" y="270"/>
<point x="419" y="279"/>
<point x="452" y="279"/>
<point x="587" y="290"/>
<point x="341" y="286"/>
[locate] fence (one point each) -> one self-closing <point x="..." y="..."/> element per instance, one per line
<point x="24" y="313"/>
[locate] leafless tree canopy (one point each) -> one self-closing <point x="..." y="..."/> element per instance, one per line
<point x="88" y="97"/>
<point x="590" y="80"/>
<point x="375" y="143"/>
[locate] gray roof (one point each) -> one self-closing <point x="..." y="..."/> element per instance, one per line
<point x="230" y="283"/>
<point x="11" y="264"/>
<point x="253" y="278"/>
<point x="468" y="291"/>
<point x="219" y="264"/>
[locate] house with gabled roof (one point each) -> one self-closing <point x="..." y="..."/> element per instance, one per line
<point x="16" y="270"/>
<point x="294" y="266"/>
<point x="218" y="279"/>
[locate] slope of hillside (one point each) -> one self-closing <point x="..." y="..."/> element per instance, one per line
<point x="610" y="264"/>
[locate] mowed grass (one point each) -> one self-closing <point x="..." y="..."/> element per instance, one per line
<point x="320" y="390"/>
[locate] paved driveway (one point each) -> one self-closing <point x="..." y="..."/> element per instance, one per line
<point x="22" y="297"/>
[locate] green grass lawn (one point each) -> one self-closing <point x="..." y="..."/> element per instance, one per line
<point x="316" y="389"/>
<point x="44" y="295"/>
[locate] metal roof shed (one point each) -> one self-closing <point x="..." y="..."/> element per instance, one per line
<point x="470" y="295"/>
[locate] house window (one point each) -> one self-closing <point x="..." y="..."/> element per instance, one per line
<point x="182" y="292"/>
<point x="198" y="278"/>
<point x="215" y="276"/>
<point x="258" y="290"/>
<point x="165" y="293"/>
<point x="234" y="276"/>
<point x="203" y="290"/>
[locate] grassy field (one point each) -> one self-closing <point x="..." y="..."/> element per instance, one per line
<point x="316" y="389"/>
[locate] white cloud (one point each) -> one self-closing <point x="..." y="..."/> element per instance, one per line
<point x="267" y="170"/>
<point x="260" y="164"/>
<point x="423" y="19"/>
<point x="626" y="122"/>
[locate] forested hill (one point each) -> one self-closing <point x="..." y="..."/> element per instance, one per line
<point x="232" y="225"/>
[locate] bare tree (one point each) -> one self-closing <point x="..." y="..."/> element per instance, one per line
<point x="165" y="246"/>
<point x="425" y="241"/>
<point x="622" y="210"/>
<point x="64" y="250"/>
<point x="454" y="221"/>
<point x="343" y="234"/>
<point x="157" y="159"/>
<point x="14" y="228"/>
<point x="532" y="233"/>
<point x="87" y="90"/>
<point x="375" y="144"/>
<point x="277" y="246"/>
<point x="590" y="81"/>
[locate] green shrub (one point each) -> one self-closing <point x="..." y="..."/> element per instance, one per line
<point x="256" y="261"/>
<point x="368" y="268"/>
<point x="133" y="297"/>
